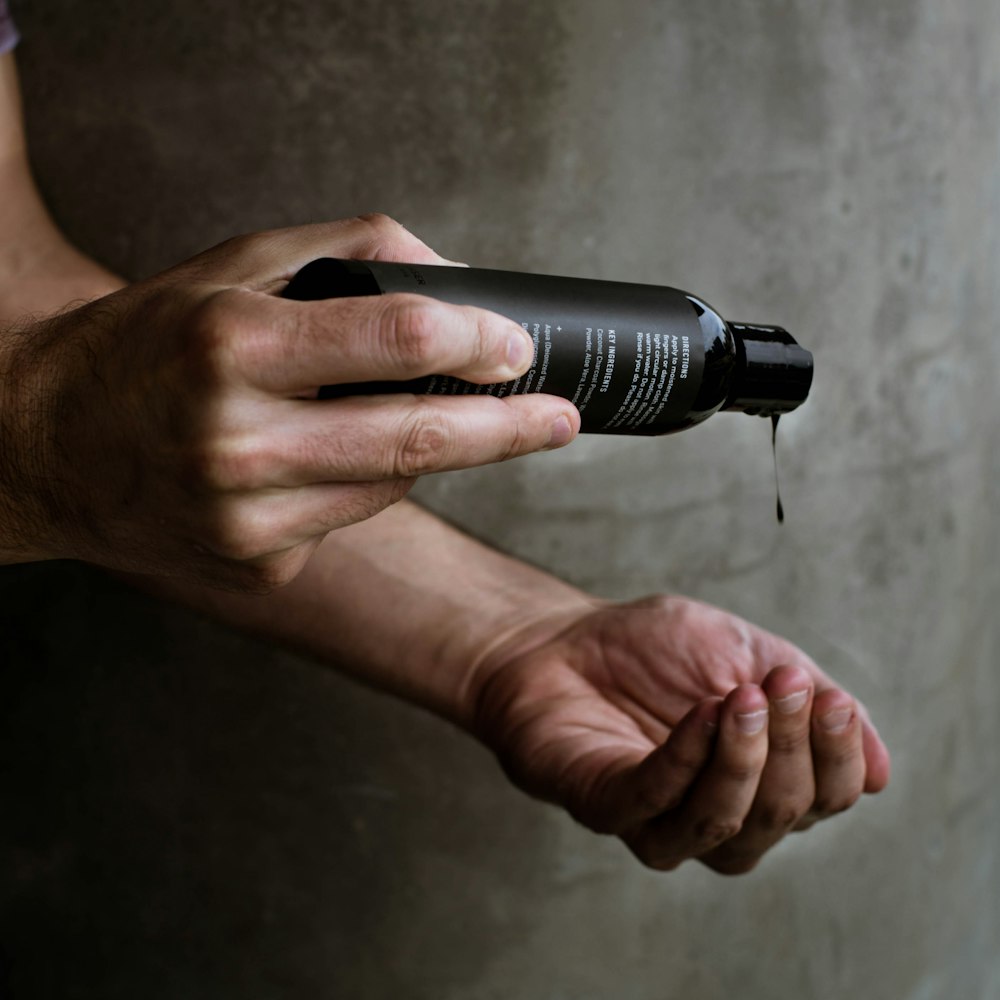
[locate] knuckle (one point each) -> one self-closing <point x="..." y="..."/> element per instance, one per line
<point x="239" y="534"/>
<point x="491" y="337"/>
<point x="742" y="771"/>
<point x="663" y="607"/>
<point x="825" y="808"/>
<point x="423" y="447"/>
<point x="213" y="335"/>
<point x="239" y="545"/>
<point x="788" y="742"/>
<point x="268" y="574"/>
<point x="410" y="330"/>
<point x="206" y="263"/>
<point x="654" y="857"/>
<point x="379" y="222"/>
<point x="378" y="233"/>
<point x="843" y="759"/>
<point x="516" y="439"/>
<point x="682" y="613"/>
<point x="781" y="816"/>
<point x="219" y="467"/>
<point x="714" y="830"/>
<point x="238" y="245"/>
<point x="831" y="805"/>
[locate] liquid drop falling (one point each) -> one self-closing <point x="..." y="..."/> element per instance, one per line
<point x="775" y="417"/>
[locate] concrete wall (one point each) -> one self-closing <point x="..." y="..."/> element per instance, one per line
<point x="189" y="814"/>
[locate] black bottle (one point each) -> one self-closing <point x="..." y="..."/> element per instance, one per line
<point x="634" y="359"/>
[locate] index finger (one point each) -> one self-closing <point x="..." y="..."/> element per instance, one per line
<point x="263" y="260"/>
<point x="714" y="809"/>
<point x="287" y="346"/>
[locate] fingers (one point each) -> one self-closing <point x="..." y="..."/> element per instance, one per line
<point x="363" y="438"/>
<point x="778" y="765"/>
<point x="292" y="347"/>
<point x="254" y="526"/>
<point x="643" y="792"/>
<point x="838" y="755"/>
<point x="281" y="487"/>
<point x="815" y="768"/>
<point x="718" y="802"/>
<point x="372" y="236"/>
<point x="787" y="786"/>
<point x="774" y="649"/>
<point x="260" y="260"/>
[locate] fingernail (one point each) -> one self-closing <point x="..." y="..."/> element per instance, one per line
<point x="791" y="702"/>
<point x="562" y="431"/>
<point x="520" y="351"/>
<point x="838" y="720"/>
<point x="751" y="722"/>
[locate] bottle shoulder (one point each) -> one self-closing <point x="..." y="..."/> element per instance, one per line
<point x="719" y="364"/>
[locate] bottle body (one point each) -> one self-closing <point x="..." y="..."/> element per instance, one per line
<point x="634" y="359"/>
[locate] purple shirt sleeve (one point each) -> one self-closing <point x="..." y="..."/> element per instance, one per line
<point x="8" y="33"/>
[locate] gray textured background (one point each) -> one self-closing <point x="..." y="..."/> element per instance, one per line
<point x="188" y="814"/>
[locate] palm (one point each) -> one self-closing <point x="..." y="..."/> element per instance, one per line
<point x="607" y="692"/>
<point x="574" y="719"/>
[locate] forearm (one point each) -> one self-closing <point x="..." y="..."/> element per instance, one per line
<point x="40" y="274"/>
<point x="40" y="271"/>
<point x="403" y="602"/>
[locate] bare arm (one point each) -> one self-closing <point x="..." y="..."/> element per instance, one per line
<point x="171" y="428"/>
<point x="449" y="598"/>
<point x="648" y="720"/>
<point x="405" y="603"/>
<point x="408" y="563"/>
<point x="40" y="271"/>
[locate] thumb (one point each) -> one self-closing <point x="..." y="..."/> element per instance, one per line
<point x="639" y="792"/>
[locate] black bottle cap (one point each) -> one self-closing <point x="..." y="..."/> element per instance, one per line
<point x="773" y="373"/>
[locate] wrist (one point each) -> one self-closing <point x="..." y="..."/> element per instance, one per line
<point x="24" y="402"/>
<point x="547" y="613"/>
<point x="411" y="606"/>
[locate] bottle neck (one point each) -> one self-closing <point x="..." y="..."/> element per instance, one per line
<point x="773" y="373"/>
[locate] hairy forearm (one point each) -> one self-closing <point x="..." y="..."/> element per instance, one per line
<point x="41" y="273"/>
<point x="403" y="602"/>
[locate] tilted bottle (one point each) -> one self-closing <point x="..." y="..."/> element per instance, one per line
<point x="634" y="359"/>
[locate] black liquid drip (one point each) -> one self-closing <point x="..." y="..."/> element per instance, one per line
<point x="775" y="417"/>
